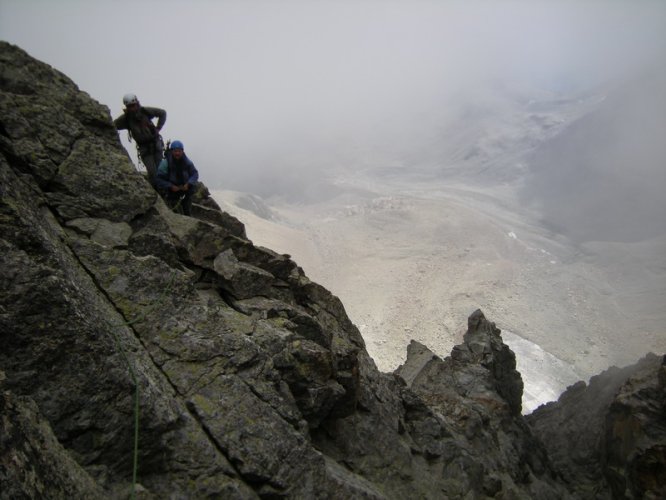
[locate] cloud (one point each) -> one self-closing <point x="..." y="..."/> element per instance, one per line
<point x="260" y="89"/>
<point x="603" y="178"/>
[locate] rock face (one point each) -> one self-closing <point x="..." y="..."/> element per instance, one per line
<point x="475" y="400"/>
<point x="250" y="379"/>
<point x="34" y="464"/>
<point x="608" y="438"/>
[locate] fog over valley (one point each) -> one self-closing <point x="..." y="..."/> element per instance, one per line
<point x="419" y="159"/>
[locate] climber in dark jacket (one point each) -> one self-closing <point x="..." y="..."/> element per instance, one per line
<point x="177" y="178"/>
<point x="139" y="121"/>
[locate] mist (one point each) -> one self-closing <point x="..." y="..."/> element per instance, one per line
<point x="271" y="97"/>
<point x="603" y="178"/>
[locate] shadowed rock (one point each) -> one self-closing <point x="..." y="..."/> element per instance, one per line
<point x="608" y="438"/>
<point x="32" y="461"/>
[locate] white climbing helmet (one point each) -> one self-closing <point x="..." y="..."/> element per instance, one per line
<point x="130" y="99"/>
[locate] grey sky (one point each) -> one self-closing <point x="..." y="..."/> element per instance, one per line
<point x="253" y="87"/>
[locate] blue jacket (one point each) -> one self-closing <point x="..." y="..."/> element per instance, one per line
<point x="171" y="172"/>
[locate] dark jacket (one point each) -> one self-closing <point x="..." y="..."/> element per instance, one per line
<point x="140" y="123"/>
<point x="172" y="172"/>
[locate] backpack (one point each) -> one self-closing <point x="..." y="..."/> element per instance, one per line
<point x="144" y="125"/>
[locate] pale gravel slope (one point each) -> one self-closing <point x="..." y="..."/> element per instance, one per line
<point x="414" y="264"/>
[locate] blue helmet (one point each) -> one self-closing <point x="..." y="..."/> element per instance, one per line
<point x="177" y="145"/>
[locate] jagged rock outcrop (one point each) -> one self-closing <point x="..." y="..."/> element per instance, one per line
<point x="252" y="381"/>
<point x="608" y="438"/>
<point x="475" y="396"/>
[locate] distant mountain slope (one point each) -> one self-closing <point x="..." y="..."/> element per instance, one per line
<point x="603" y="178"/>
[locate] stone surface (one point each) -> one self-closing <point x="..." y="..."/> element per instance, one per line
<point x="251" y="379"/>
<point x="474" y="397"/>
<point x="608" y="438"/>
<point x="33" y="464"/>
<point x="102" y="231"/>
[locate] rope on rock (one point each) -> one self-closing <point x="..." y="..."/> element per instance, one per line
<point x="138" y="319"/>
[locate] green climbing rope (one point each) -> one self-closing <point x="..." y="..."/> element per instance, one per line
<point x="138" y="319"/>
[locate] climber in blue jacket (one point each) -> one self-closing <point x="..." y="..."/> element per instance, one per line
<point x="177" y="178"/>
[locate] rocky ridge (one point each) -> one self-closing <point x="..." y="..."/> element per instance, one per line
<point x="252" y="381"/>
